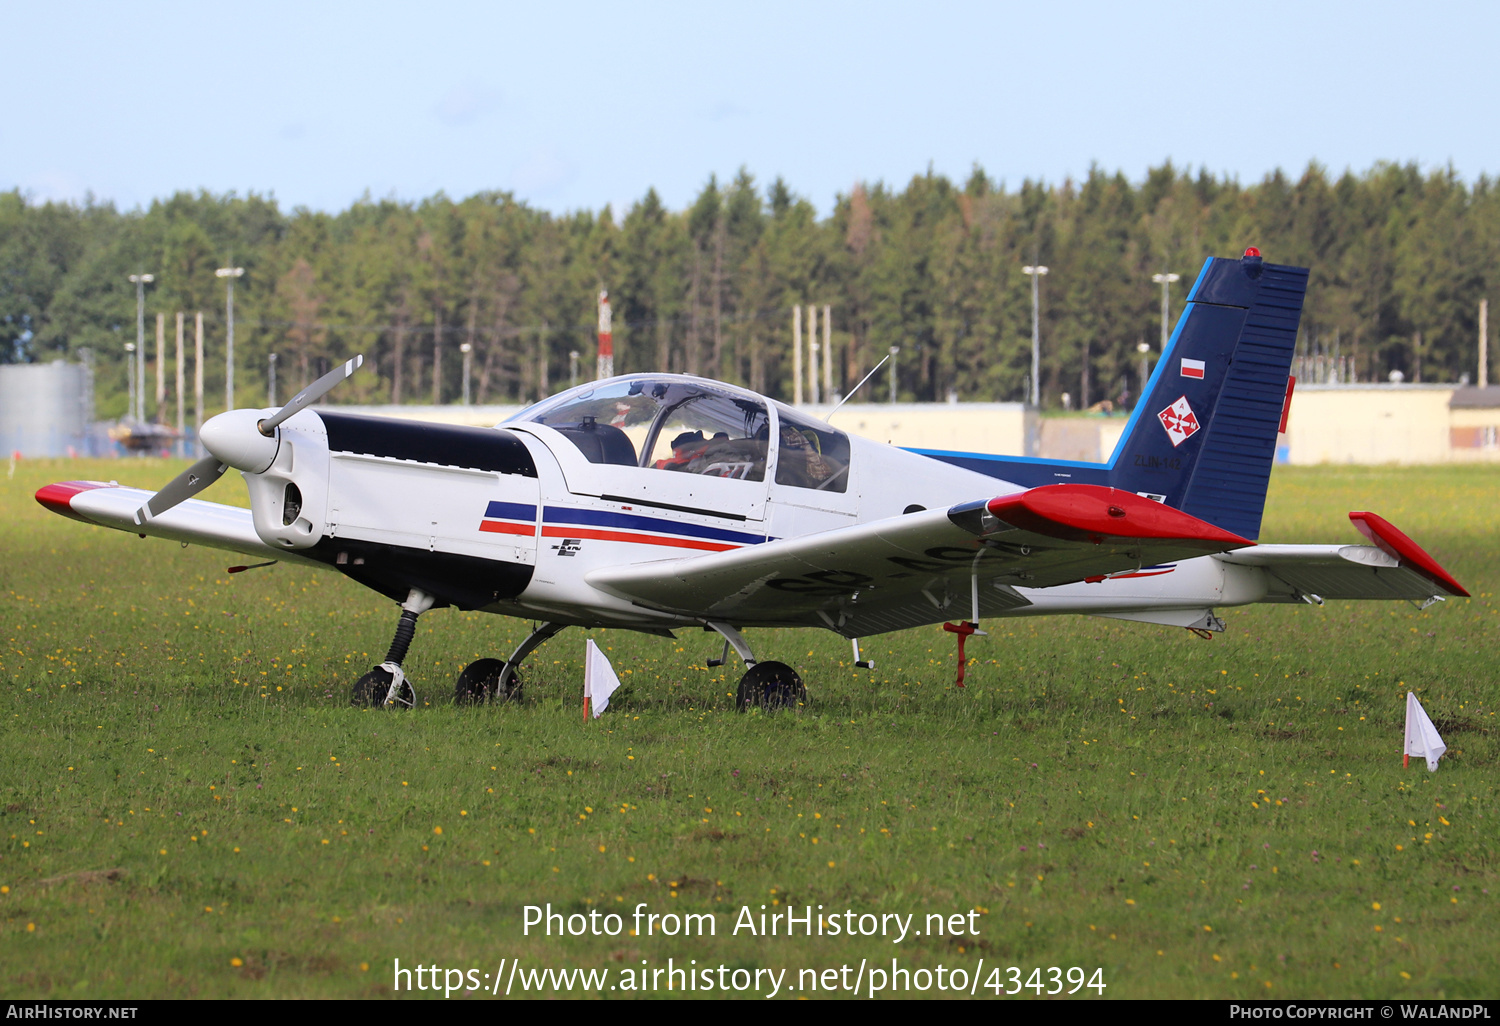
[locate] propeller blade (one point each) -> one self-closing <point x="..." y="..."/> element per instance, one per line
<point x="311" y="394"/>
<point x="184" y="486"/>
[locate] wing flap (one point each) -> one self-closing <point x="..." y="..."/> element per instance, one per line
<point x="923" y="567"/>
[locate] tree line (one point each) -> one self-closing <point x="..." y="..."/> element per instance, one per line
<point x="1400" y="260"/>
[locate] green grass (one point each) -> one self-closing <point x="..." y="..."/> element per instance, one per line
<point x="190" y="808"/>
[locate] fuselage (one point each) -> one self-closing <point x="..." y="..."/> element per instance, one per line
<point x="631" y="470"/>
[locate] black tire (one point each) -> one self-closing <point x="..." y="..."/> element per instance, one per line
<point x="770" y="685"/>
<point x="480" y="681"/>
<point x="371" y="691"/>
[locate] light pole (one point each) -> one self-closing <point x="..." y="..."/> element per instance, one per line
<point x="1165" y="281"/>
<point x="894" y="351"/>
<point x="271" y="381"/>
<point x="1035" y="273"/>
<point x="572" y="368"/>
<point x="130" y="351"/>
<point x="138" y="378"/>
<point x="1144" y="349"/>
<point x="229" y="274"/>
<point x="468" y="352"/>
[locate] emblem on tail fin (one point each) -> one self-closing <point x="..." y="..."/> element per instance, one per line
<point x="1179" y="421"/>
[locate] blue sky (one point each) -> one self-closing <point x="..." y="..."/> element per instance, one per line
<point x="578" y="105"/>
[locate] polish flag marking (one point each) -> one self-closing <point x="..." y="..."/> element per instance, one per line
<point x="1179" y="421"/>
<point x="1192" y="368"/>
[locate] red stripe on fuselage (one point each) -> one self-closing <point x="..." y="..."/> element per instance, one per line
<point x="501" y="527"/>
<point x="639" y="539"/>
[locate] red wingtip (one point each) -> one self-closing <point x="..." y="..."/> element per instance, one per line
<point x="1398" y="546"/>
<point x="59" y="497"/>
<point x="1093" y="511"/>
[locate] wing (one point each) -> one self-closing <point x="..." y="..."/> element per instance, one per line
<point x="923" y="567"/>
<point x="192" y="521"/>
<point x="1394" y="567"/>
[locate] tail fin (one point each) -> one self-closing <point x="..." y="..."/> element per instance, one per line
<point x="1203" y="437"/>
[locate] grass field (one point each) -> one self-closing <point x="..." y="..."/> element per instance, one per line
<point x="192" y="809"/>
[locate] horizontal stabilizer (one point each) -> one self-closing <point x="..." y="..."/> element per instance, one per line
<point x="1394" y="568"/>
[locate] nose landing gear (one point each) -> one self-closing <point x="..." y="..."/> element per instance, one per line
<point x="386" y="685"/>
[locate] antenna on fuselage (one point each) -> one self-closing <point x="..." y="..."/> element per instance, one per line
<point x="856" y="388"/>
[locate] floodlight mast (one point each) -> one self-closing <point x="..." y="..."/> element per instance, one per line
<point x="138" y="370"/>
<point x="130" y="349"/>
<point x="468" y="351"/>
<point x="1035" y="273"/>
<point x="229" y="274"/>
<point x="1165" y="281"/>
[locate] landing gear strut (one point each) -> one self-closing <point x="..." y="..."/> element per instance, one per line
<point x="492" y="680"/>
<point x="386" y="685"/>
<point x="770" y="685"/>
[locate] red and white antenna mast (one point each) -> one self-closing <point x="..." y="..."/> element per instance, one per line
<point x="606" y="343"/>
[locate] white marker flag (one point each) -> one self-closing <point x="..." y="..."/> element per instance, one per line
<point x="599" y="680"/>
<point x="1422" y="738"/>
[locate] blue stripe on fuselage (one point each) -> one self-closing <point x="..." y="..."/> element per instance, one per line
<point x="605" y="518"/>
<point x="511" y="511"/>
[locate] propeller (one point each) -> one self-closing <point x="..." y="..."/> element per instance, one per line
<point x="184" y="486"/>
<point x="229" y="445"/>
<point x="310" y="394"/>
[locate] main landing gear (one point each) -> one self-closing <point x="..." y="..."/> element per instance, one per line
<point x="769" y="685"/>
<point x="486" y="680"/>
<point x="386" y="685"/>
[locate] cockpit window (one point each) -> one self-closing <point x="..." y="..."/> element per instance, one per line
<point x="681" y="426"/>
<point x="811" y="454"/>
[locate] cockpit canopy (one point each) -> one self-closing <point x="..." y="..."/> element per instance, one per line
<point x="693" y="426"/>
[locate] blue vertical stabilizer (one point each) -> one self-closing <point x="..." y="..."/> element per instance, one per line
<point x="1204" y="436"/>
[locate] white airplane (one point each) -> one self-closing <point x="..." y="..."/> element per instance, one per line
<point x="657" y="502"/>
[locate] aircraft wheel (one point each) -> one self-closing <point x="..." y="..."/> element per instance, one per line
<point x="374" y="687"/>
<point x="480" y="680"/>
<point x="510" y="687"/>
<point x="770" y="685"/>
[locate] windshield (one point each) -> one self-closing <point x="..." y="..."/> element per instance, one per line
<point x="675" y="425"/>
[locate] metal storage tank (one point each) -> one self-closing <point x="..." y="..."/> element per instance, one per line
<point x="44" y="409"/>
